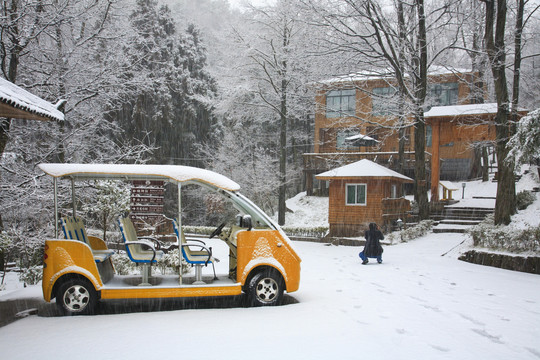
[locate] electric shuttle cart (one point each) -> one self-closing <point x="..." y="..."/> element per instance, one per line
<point x="78" y="270"/>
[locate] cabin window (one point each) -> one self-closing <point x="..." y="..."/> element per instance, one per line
<point x="384" y="101"/>
<point x="443" y="94"/>
<point x="356" y="194"/>
<point x="340" y="103"/>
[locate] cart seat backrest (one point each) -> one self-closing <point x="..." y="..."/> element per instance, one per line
<point x="201" y="255"/>
<point x="127" y="229"/>
<point x="139" y="250"/>
<point x="74" y="228"/>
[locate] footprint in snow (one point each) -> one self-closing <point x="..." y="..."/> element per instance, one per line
<point x="487" y="335"/>
<point x="440" y="348"/>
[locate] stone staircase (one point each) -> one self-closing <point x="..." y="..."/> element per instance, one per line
<point x="458" y="219"/>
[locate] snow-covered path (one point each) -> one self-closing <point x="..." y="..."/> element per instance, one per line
<point x="417" y="304"/>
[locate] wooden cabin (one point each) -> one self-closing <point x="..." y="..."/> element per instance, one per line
<point x="364" y="192"/>
<point x="356" y="119"/>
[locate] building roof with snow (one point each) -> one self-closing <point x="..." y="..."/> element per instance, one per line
<point x="388" y="74"/>
<point x="463" y="110"/>
<point x="362" y="168"/>
<point x="15" y="102"/>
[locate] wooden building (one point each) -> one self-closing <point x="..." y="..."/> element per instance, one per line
<point x="356" y="118"/>
<point x="364" y="192"/>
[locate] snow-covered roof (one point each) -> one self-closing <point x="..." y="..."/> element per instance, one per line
<point x="362" y="168"/>
<point x="27" y="103"/>
<point x="173" y="173"/>
<point x="462" y="110"/>
<point x="360" y="137"/>
<point x="390" y="74"/>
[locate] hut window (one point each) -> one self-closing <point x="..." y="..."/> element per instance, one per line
<point x="340" y="103"/>
<point x="356" y="194"/>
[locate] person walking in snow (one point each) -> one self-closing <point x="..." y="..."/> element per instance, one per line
<point x="372" y="248"/>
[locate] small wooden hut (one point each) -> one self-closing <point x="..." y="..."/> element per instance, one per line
<point x="364" y="192"/>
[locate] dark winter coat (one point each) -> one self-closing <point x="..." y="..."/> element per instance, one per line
<point x="373" y="237"/>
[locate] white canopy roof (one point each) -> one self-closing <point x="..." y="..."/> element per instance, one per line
<point x="362" y="168"/>
<point x="172" y="173"/>
<point x="20" y="99"/>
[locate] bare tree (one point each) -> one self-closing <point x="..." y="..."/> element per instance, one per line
<point x="396" y="42"/>
<point x="496" y="19"/>
<point x="277" y="64"/>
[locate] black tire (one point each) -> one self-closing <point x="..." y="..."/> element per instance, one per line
<point x="76" y="297"/>
<point x="265" y="288"/>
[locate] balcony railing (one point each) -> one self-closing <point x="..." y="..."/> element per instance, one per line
<point x="318" y="162"/>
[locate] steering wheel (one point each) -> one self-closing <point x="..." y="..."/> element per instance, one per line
<point x="157" y="244"/>
<point x="217" y="231"/>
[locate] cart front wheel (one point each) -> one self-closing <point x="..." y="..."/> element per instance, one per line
<point x="266" y="288"/>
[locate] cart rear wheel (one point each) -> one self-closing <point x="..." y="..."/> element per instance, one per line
<point x="76" y="297"/>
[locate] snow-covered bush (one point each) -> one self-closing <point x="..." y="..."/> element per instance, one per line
<point x="105" y="202"/>
<point x="31" y="275"/>
<point x="122" y="264"/>
<point x="200" y="230"/>
<point x="5" y="246"/>
<point x="411" y="233"/>
<point x="525" y="143"/>
<point x="506" y="238"/>
<point x="524" y="199"/>
<point x="168" y="264"/>
<point x="316" y="232"/>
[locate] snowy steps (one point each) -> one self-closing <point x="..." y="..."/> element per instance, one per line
<point x="458" y="219"/>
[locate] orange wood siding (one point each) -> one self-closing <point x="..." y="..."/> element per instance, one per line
<point x="364" y="118"/>
<point x="340" y="213"/>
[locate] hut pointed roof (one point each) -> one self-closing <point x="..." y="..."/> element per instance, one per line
<point x="362" y="168"/>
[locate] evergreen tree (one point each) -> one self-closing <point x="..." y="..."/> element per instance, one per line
<point x="170" y="93"/>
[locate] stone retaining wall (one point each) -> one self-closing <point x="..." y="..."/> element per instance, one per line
<point x="529" y="264"/>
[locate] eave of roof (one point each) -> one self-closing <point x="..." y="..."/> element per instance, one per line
<point x="15" y="102"/>
<point x="363" y="168"/>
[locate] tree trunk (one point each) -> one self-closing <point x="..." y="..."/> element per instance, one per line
<point x="505" y="205"/>
<point x="283" y="154"/>
<point x="420" y="125"/>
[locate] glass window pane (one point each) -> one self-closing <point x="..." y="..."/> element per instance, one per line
<point x="361" y="191"/>
<point x="384" y="101"/>
<point x="340" y="103"/>
<point x="351" y="194"/>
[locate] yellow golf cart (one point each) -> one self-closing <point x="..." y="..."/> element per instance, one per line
<point x="79" y="270"/>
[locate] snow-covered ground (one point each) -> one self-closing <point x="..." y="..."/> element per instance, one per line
<point x="418" y="304"/>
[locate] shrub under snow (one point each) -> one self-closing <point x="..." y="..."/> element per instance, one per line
<point x="506" y="238"/>
<point x="411" y="233"/>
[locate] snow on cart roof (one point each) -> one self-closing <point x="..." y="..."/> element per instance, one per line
<point x="362" y="168"/>
<point x="26" y="105"/>
<point x="172" y="173"/>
